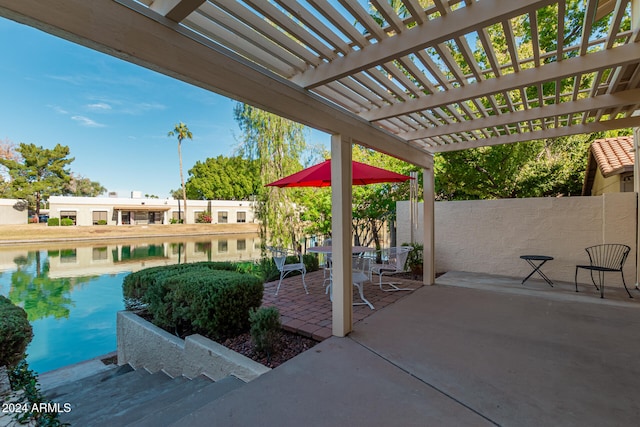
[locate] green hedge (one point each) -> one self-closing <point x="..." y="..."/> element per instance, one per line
<point x="15" y="333"/>
<point x="210" y="298"/>
<point x="53" y="222"/>
<point x="66" y="222"/>
<point x="135" y="285"/>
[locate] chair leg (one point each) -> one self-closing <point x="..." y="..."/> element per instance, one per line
<point x="304" y="283"/>
<point x="575" y="280"/>
<point x="364" y="300"/>
<point x="594" y="282"/>
<point x="393" y="286"/>
<point x="625" y="285"/>
<point x="279" y="283"/>
<point x="601" y="277"/>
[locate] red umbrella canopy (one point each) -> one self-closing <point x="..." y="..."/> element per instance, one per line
<point x="320" y="176"/>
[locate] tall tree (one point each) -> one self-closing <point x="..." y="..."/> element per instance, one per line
<point x="41" y="172"/>
<point x="181" y="131"/>
<point x="83" y="187"/>
<point x="224" y="178"/>
<point x="276" y="144"/>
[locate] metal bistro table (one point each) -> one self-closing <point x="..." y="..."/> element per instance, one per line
<point x="541" y="259"/>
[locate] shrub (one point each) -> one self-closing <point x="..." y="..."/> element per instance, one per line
<point x="135" y="285"/>
<point x="53" y="222"/>
<point x="265" y="328"/>
<point x="211" y="298"/>
<point x="204" y="218"/>
<point x="102" y="222"/>
<point x="15" y="332"/>
<point x="216" y="304"/>
<point x="415" y="257"/>
<point x="23" y="378"/>
<point x="66" y="222"/>
<point x="310" y="262"/>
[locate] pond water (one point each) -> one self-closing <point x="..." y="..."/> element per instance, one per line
<point x="72" y="292"/>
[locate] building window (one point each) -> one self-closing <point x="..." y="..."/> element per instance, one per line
<point x="241" y="245"/>
<point x="242" y="217"/>
<point x="99" y="217"/>
<point x="69" y="214"/>
<point x="100" y="254"/>
<point x="223" y="246"/>
<point x="223" y="217"/>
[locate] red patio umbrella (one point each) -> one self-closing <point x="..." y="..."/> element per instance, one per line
<point x="320" y="176"/>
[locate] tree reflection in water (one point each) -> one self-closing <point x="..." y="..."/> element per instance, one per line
<point x="40" y="295"/>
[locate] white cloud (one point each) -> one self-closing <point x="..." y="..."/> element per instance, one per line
<point x="99" y="106"/>
<point x="85" y="121"/>
<point x="58" y="109"/>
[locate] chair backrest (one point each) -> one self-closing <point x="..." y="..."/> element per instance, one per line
<point x="279" y="256"/>
<point x="361" y="264"/>
<point x="398" y="256"/>
<point x="360" y="268"/>
<point x="608" y="255"/>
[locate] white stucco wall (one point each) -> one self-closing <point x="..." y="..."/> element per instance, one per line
<point x="488" y="236"/>
<point x="10" y="215"/>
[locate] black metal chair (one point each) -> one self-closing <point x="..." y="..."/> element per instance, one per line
<point x="605" y="258"/>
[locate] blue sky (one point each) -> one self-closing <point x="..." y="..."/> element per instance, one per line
<point x="114" y="116"/>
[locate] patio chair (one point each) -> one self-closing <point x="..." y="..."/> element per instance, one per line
<point x="280" y="258"/>
<point x="326" y="265"/>
<point x="359" y="274"/>
<point x="605" y="258"/>
<point x="393" y="262"/>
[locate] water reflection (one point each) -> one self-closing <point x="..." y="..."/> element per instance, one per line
<point x="71" y="292"/>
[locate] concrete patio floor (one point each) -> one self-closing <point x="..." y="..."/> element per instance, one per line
<point x="448" y="355"/>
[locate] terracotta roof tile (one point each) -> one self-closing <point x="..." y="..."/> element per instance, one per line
<point x="613" y="155"/>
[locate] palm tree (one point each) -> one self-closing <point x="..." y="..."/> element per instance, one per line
<point x="181" y="131"/>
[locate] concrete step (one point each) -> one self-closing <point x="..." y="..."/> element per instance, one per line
<point x="189" y="403"/>
<point x="87" y="383"/>
<point x="129" y="410"/>
<point x="134" y="388"/>
<point x="124" y="396"/>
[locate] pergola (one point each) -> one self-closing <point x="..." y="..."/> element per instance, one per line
<point x="409" y="78"/>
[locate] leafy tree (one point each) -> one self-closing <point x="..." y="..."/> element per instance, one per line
<point x="551" y="167"/>
<point x="83" y="187"/>
<point x="181" y="131"/>
<point x="8" y="151"/>
<point x="41" y="172"/>
<point x="276" y="144"/>
<point x="223" y="178"/>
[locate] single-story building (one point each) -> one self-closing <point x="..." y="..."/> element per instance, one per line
<point x="13" y="211"/>
<point x="609" y="166"/>
<point x="135" y="211"/>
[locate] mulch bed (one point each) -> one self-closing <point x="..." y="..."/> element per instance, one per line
<point x="287" y="346"/>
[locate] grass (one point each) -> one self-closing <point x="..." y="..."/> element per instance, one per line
<point x="38" y="233"/>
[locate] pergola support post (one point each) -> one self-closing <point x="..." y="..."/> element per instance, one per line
<point x="429" y="268"/>
<point x="636" y="189"/>
<point x="635" y="24"/>
<point x="341" y="195"/>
